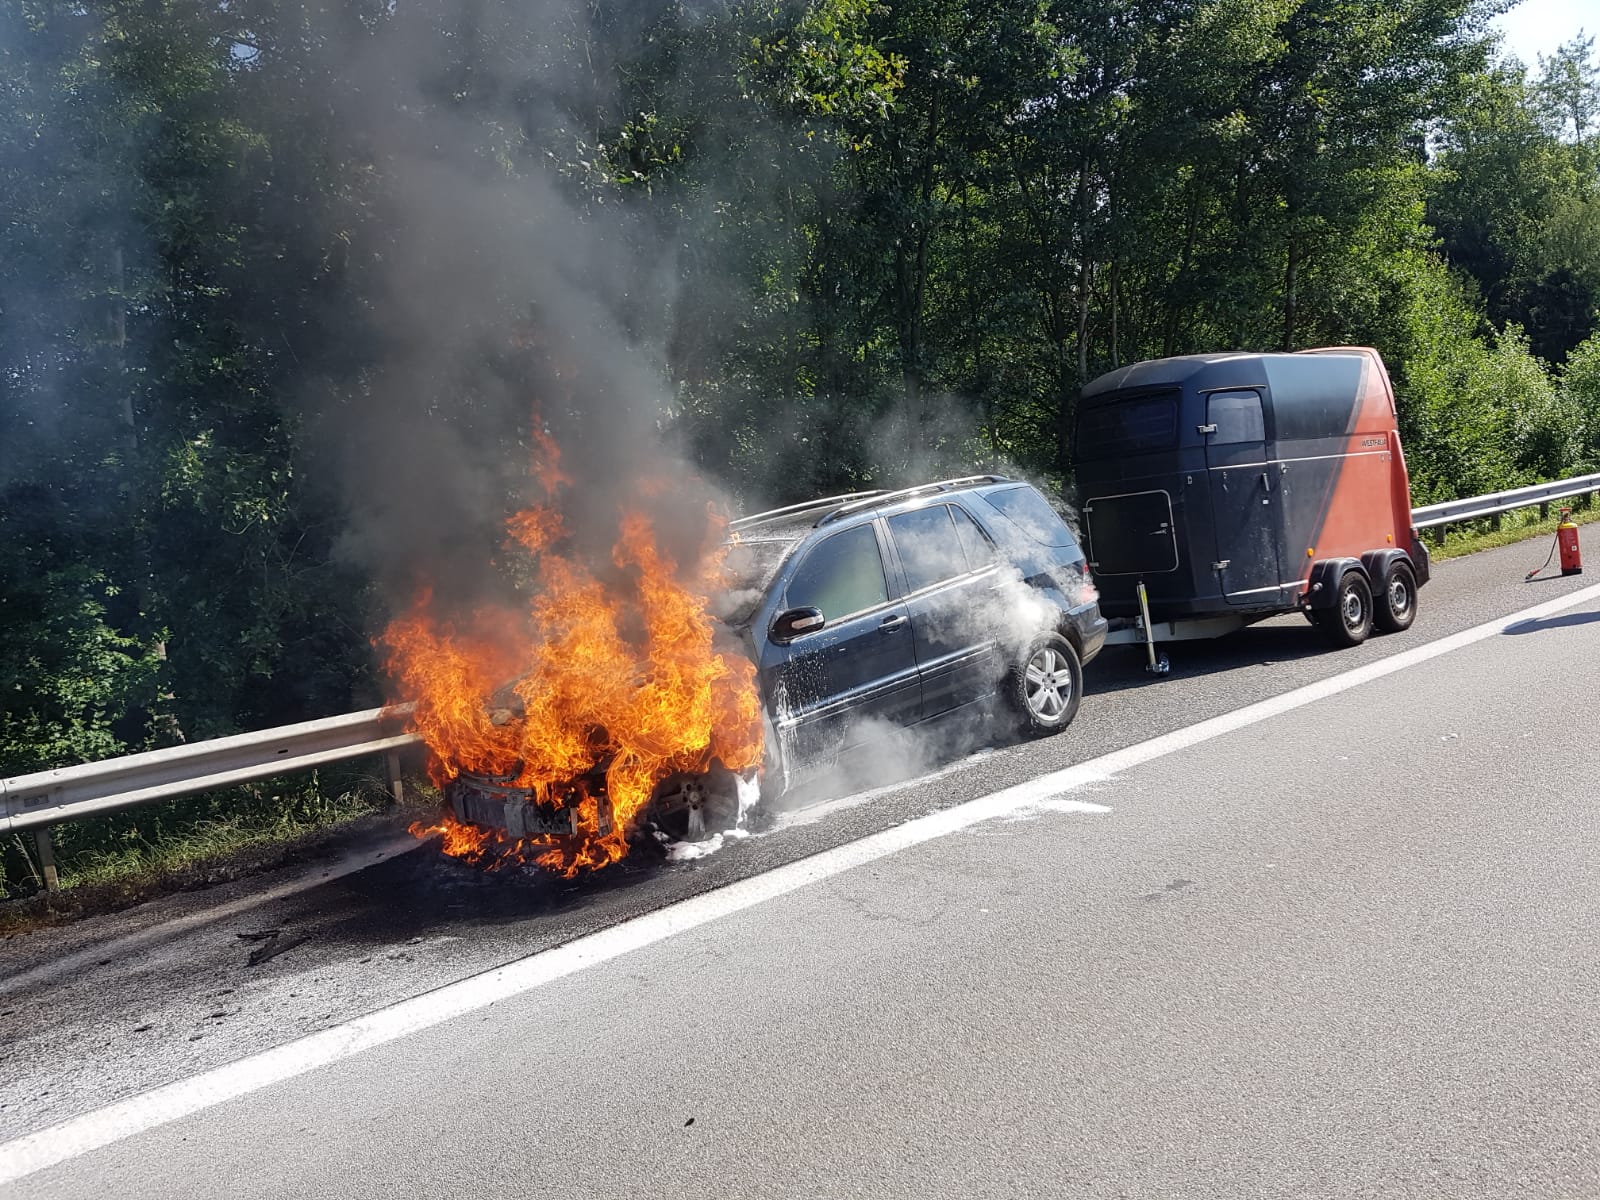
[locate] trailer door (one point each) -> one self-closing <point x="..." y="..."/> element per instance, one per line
<point x="1246" y="510"/>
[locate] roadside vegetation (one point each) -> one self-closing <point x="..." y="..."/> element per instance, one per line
<point x="1522" y="525"/>
<point x="842" y="243"/>
<point x="204" y="839"/>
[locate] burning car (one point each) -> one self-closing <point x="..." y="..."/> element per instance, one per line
<point x="825" y="620"/>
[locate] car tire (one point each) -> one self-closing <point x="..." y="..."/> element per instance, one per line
<point x="1349" y="622"/>
<point x="1396" y="608"/>
<point x="1045" y="687"/>
<point x="774" y="779"/>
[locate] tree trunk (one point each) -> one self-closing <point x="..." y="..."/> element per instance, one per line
<point x="119" y="340"/>
<point x="1191" y="232"/>
<point x="1291" y="280"/>
<point x="1085" y="276"/>
<point x="1116" y="282"/>
<point x="912" y="271"/>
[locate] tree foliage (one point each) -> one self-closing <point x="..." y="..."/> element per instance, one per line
<point x="847" y="242"/>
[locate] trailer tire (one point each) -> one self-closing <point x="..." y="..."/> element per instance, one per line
<point x="1349" y="622"/>
<point x="1396" y="608"/>
<point x="1046" y="686"/>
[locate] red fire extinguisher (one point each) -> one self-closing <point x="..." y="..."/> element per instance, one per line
<point x="1567" y="540"/>
<point x="1566" y="545"/>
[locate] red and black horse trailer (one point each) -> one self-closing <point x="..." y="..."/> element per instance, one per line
<point x="1220" y="489"/>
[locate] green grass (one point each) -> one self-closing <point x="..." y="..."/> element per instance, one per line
<point x="122" y="858"/>
<point x="1521" y="525"/>
<point x="208" y="841"/>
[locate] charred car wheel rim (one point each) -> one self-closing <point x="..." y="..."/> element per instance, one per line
<point x="1049" y="684"/>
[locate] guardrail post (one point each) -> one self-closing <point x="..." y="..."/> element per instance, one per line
<point x="1544" y="510"/>
<point x="397" y="789"/>
<point x="47" y="859"/>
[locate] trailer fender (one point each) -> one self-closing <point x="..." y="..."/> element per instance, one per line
<point x="1378" y="562"/>
<point x="1421" y="561"/>
<point x="1323" y="586"/>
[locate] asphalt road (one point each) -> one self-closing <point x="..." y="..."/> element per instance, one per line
<point x="1346" y="951"/>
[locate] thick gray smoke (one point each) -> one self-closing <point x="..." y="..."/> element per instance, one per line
<point x="510" y="304"/>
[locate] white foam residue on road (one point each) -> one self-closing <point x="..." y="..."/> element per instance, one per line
<point x="1050" y="796"/>
<point x="689" y="851"/>
<point x="812" y="813"/>
<point x="164" y="1105"/>
<point x="1059" y="804"/>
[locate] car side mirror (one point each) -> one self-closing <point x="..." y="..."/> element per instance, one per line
<point x="789" y="625"/>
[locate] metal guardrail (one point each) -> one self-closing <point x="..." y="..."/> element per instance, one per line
<point x="37" y="801"/>
<point x="46" y="798"/>
<point x="1495" y="503"/>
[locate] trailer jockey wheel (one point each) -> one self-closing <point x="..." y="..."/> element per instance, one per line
<point x="1397" y="606"/>
<point x="1349" y="621"/>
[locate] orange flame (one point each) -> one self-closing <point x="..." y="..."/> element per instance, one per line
<point x="625" y="674"/>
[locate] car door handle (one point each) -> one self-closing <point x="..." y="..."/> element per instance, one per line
<point x="890" y="624"/>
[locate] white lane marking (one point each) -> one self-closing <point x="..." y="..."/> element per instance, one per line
<point x="57" y="1144"/>
<point x="116" y="947"/>
<point x="810" y="814"/>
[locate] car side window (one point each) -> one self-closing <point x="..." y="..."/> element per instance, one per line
<point x="1029" y="511"/>
<point x="928" y="545"/>
<point x="980" y="550"/>
<point x="842" y="574"/>
<point x="1237" y="416"/>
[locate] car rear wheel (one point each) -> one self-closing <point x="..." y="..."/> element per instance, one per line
<point x="1349" y="622"/>
<point x="1044" y="689"/>
<point x="1397" y="608"/>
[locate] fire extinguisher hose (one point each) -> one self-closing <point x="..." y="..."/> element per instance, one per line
<point x="1554" y="546"/>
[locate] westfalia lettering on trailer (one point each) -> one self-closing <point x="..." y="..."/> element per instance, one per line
<point x="1219" y="489"/>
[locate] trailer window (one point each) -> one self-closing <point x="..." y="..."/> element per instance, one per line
<point x="1237" y="416"/>
<point x="1140" y="425"/>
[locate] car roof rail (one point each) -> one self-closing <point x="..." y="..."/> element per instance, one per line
<point x="809" y="505"/>
<point x="873" y="501"/>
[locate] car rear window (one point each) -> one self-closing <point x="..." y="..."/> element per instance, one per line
<point x="1031" y="513"/>
<point x="1135" y="425"/>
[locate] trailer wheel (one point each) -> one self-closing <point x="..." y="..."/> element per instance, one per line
<point x="1349" y="621"/>
<point x="1045" y="688"/>
<point x="1397" y="607"/>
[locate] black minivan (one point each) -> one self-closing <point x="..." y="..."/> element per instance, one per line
<point x="907" y="606"/>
